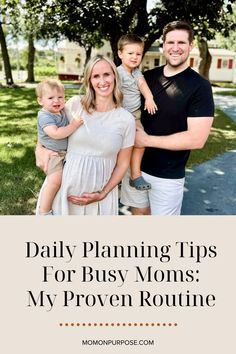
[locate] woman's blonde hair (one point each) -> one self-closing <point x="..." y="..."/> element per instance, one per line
<point x="88" y="100"/>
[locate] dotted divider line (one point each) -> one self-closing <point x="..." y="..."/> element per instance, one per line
<point x="118" y="324"/>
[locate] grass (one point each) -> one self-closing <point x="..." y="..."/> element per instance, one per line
<point x="230" y="86"/>
<point x="21" y="180"/>
<point x="224" y="84"/>
<point x="221" y="139"/>
<point x="226" y="93"/>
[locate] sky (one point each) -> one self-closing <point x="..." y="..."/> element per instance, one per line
<point x="150" y="4"/>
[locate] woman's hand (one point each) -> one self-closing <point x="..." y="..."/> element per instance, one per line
<point x="87" y="198"/>
<point x="42" y="156"/>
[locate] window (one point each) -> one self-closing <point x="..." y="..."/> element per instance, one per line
<point x="219" y="63"/>
<point x="191" y="62"/>
<point x="78" y="60"/>
<point x="230" y="64"/>
<point x="156" y="61"/>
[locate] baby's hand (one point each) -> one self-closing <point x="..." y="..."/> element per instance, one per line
<point x="78" y="121"/>
<point x="150" y="106"/>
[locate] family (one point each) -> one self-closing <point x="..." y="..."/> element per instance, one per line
<point x="127" y="126"/>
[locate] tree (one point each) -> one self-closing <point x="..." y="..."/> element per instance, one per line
<point x="5" y="57"/>
<point x="28" y="19"/>
<point x="7" y="7"/>
<point x="15" y="15"/>
<point x="77" y="23"/>
<point x="88" y="23"/>
<point x="104" y="19"/>
<point x="228" y="42"/>
<point x="33" y="20"/>
<point x="112" y="18"/>
<point x="31" y="58"/>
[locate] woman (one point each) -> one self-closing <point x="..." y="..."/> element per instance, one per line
<point x="99" y="152"/>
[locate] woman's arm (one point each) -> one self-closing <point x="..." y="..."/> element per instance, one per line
<point x="42" y="156"/>
<point x="122" y="164"/>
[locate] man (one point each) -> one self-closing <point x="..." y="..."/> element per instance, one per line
<point x="182" y="123"/>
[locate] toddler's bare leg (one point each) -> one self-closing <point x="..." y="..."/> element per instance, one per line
<point x="135" y="163"/>
<point x="136" y="179"/>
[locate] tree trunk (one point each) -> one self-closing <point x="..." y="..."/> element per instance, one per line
<point x="205" y="58"/>
<point x="31" y="56"/>
<point x="88" y="51"/>
<point x="5" y="57"/>
<point x="142" y="24"/>
<point x="113" y="44"/>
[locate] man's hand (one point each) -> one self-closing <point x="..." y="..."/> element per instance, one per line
<point x="141" y="138"/>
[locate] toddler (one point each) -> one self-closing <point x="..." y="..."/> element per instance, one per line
<point x="132" y="85"/>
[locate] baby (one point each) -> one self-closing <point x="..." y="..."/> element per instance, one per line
<point x="53" y="130"/>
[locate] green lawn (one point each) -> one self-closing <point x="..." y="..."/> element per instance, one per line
<point x="221" y="139"/>
<point x="226" y="93"/>
<point x="20" y="180"/>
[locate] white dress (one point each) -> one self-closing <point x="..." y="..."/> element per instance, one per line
<point x="91" y="158"/>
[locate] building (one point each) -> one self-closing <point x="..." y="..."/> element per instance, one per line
<point x="223" y="65"/>
<point x="71" y="59"/>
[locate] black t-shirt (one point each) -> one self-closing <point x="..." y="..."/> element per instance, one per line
<point x="178" y="97"/>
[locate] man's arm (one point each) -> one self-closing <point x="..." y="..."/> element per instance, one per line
<point x="193" y="138"/>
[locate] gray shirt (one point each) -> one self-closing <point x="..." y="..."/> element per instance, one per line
<point x="129" y="88"/>
<point x="45" y="119"/>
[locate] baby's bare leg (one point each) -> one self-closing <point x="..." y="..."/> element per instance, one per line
<point x="49" y="191"/>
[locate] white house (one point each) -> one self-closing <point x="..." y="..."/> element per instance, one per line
<point x="223" y="65"/>
<point x="71" y="59"/>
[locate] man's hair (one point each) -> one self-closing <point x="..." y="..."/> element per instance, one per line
<point x="178" y="25"/>
<point x="49" y="83"/>
<point x="129" y="38"/>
